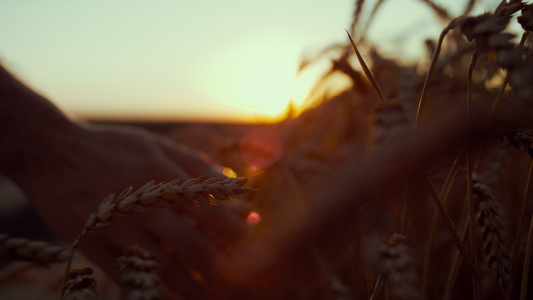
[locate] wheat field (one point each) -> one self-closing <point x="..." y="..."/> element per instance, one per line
<point x="412" y="183"/>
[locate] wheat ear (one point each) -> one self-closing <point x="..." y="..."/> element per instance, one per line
<point x="521" y="139"/>
<point x="80" y="285"/>
<point x="429" y="75"/>
<point x="492" y="233"/>
<point x="397" y="265"/>
<point x="34" y="251"/>
<point x="136" y="203"/>
<point x="137" y="275"/>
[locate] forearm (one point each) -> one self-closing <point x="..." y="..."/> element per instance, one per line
<point x="29" y="124"/>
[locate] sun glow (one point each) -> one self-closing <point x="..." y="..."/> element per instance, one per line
<point x="271" y="85"/>
<point x="256" y="76"/>
<point x="268" y="86"/>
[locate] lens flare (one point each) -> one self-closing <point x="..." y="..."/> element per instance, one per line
<point x="253" y="218"/>
<point x="228" y="172"/>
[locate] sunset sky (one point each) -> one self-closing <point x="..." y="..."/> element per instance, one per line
<point x="232" y="60"/>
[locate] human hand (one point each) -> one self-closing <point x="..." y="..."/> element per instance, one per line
<point x="83" y="164"/>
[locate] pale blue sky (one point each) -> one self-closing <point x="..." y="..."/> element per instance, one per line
<point x="230" y="60"/>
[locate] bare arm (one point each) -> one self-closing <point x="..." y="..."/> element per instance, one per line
<point x="66" y="168"/>
<point x="24" y="117"/>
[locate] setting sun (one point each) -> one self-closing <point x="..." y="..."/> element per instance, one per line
<point x="267" y="86"/>
<point x="257" y="76"/>
<point x="254" y="76"/>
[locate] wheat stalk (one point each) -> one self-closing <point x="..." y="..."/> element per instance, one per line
<point x="42" y="253"/>
<point x="429" y="75"/>
<point x="439" y="11"/>
<point x="450" y="226"/>
<point x="443" y="196"/>
<point x="527" y="258"/>
<point x="372" y="14"/>
<point x="518" y="236"/>
<point x="80" y="285"/>
<point x="366" y="70"/>
<point x="357" y="14"/>
<point x="469" y="171"/>
<point x="137" y="275"/>
<point x="485" y="32"/>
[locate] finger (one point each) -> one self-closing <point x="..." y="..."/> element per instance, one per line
<point x="241" y="208"/>
<point x="168" y="171"/>
<point x="220" y="224"/>
<point x="190" y="272"/>
<point x="168" y="294"/>
<point x="178" y="269"/>
<point x="252" y="263"/>
<point x="195" y="163"/>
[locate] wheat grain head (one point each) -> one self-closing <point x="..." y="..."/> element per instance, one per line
<point x="137" y="275"/>
<point x="136" y="203"/>
<point x="488" y="214"/>
<point x="397" y="265"/>
<point x="42" y="253"/>
<point x="80" y="285"/>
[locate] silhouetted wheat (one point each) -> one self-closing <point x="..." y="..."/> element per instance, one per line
<point x="170" y="194"/>
<point x="358" y="161"/>
<point x="42" y="253"/>
<point x="488" y="212"/>
<point x="80" y="285"/>
<point x="396" y="263"/>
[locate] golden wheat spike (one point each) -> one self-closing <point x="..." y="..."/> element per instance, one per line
<point x="136" y="203"/>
